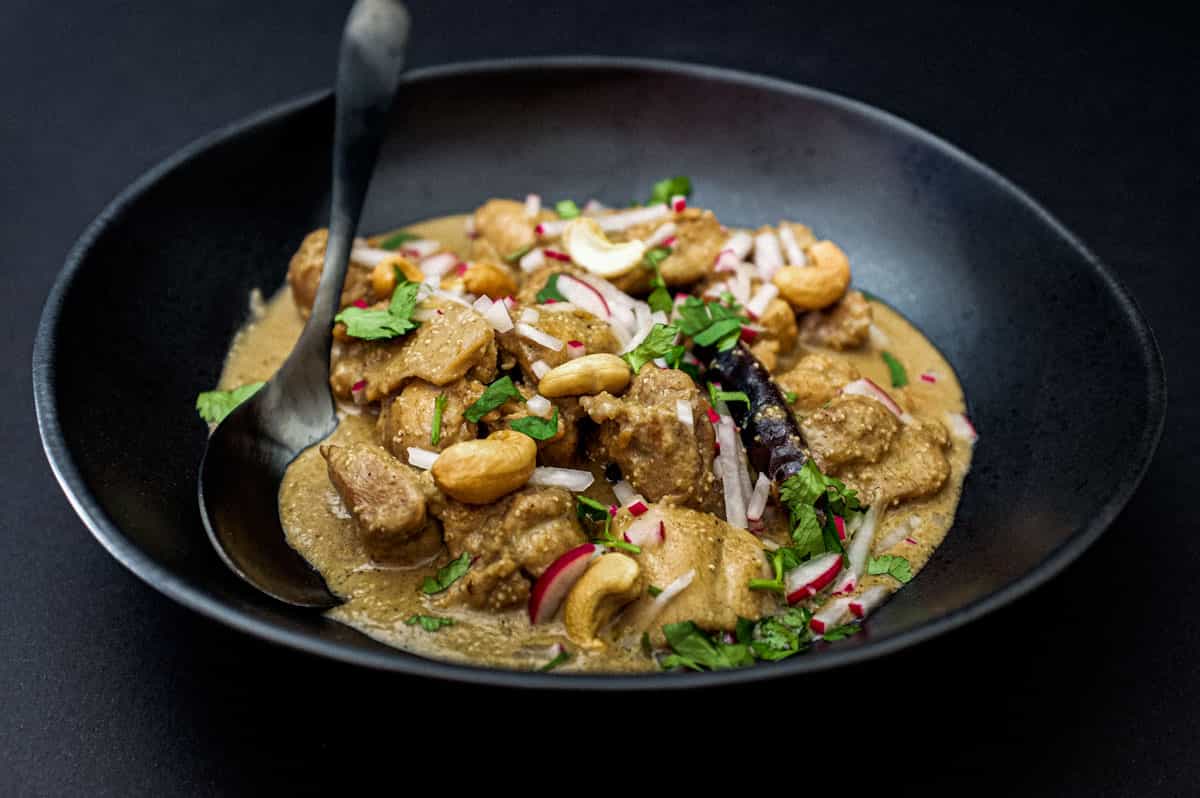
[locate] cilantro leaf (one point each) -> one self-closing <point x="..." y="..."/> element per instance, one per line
<point x="656" y="255"/>
<point x="775" y="640"/>
<point x="654" y="591"/>
<point x="894" y="566"/>
<point x="430" y="623"/>
<point x="660" y="297"/>
<point x="213" y="406"/>
<point x="566" y="209"/>
<point x="439" y="407"/>
<point x="899" y="375"/>
<point x="540" y="429"/>
<point x="448" y="574"/>
<point x="376" y="325"/>
<point x="790" y="397"/>
<point x="395" y="240"/>
<point x="829" y="535"/>
<point x="718" y="395"/>
<point x="550" y="291"/>
<point x="710" y="323"/>
<point x="696" y="650"/>
<point x="841" y="632"/>
<point x="588" y="509"/>
<point x="516" y="255"/>
<point x="669" y="187"/>
<point x="496" y="394"/>
<point x="660" y="342"/>
<point x="559" y="659"/>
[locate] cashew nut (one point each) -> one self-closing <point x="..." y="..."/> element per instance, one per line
<point x="383" y="276"/>
<point x="585" y="242"/>
<point x="485" y="278"/>
<point x="609" y="584"/>
<point x="586" y="376"/>
<point x="819" y="285"/>
<point x="481" y="471"/>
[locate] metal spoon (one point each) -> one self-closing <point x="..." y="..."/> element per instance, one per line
<point x="248" y="453"/>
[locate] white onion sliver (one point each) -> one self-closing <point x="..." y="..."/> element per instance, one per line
<point x="659" y="317"/>
<point x="661" y="234"/>
<point x="482" y="304"/>
<point x="758" y="499"/>
<point x="529" y="316"/>
<point x="683" y="412"/>
<point x="539" y="405"/>
<point x="832" y="614"/>
<point x="795" y="255"/>
<point x="740" y="244"/>
<point x="576" y="349"/>
<point x="879" y="338"/>
<point x="421" y="458"/>
<point x="447" y="295"/>
<point x="571" y="479"/>
<point x="538" y="337"/>
<point x="497" y="316"/>
<point x="422" y="247"/>
<point x="624" y="219"/>
<point x="539" y="368"/>
<point x="961" y="427"/>
<point x="675" y="588"/>
<point x="636" y="341"/>
<point x="370" y="256"/>
<point x="757" y="305"/>
<point x="858" y="551"/>
<point x="661" y="362"/>
<point x="533" y="205"/>
<point x="532" y="260"/>
<point x="437" y="265"/>
<point x="624" y="492"/>
<point x="735" y="502"/>
<point x="767" y="255"/>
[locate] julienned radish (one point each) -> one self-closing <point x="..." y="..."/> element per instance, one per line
<point x="646" y="530"/>
<point x="557" y="581"/>
<point x="812" y="577"/>
<point x="583" y="296"/>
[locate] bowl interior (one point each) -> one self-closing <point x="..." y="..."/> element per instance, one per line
<point x="1061" y="373"/>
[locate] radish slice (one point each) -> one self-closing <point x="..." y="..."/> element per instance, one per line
<point x="767" y="255"/>
<point x="370" y="256"/>
<point x="879" y="338"/>
<point x="551" y="229"/>
<point x="731" y="481"/>
<point x="757" y="305"/>
<point x="758" y="499"/>
<point x="583" y="296"/>
<point x="834" y="613"/>
<point x="575" y="349"/>
<point x="739" y="244"/>
<point x="840" y="524"/>
<point x="421" y="458"/>
<point x="813" y="576"/>
<point x="438" y="265"/>
<point x="532" y="260"/>
<point x="533" y="205"/>
<point x="497" y="316"/>
<point x="624" y="492"/>
<point x="866" y="602"/>
<point x="646" y="531"/>
<point x="539" y="368"/>
<point x="859" y="551"/>
<point x="674" y="589"/>
<point x="865" y="387"/>
<point x="540" y="338"/>
<point x="795" y="255"/>
<point x="624" y="219"/>
<point x="571" y="479"/>
<point x="421" y="248"/>
<point x="961" y="427"/>
<point x="660" y="235"/>
<point x="553" y="585"/>
<point x="554" y="254"/>
<point x="679" y="203"/>
<point x="683" y="412"/>
<point x="539" y="405"/>
<point x="928" y="376"/>
<point x="638" y="507"/>
<point x="529" y="316"/>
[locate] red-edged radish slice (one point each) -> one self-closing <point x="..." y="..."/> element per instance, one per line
<point x="553" y="585"/>
<point x="661" y="235"/>
<point x="768" y="257"/>
<point x="791" y="248"/>
<point x="683" y="412"/>
<point x="762" y="297"/>
<point x="533" y="205"/>
<point x="638" y="507"/>
<point x="624" y="492"/>
<point x="532" y="260"/>
<point x="812" y="577"/>
<point x="469" y="227"/>
<point x="831" y="614"/>
<point x="859" y="550"/>
<point x="583" y="296"/>
<point x="624" y="219"/>
<point x="554" y="254"/>
<point x="421" y="248"/>
<point x="865" y="603"/>
<point x="865" y="387"/>
<point x="840" y="524"/>
<point x="647" y="531"/>
<point x="758" y="499"/>
<point x="679" y="203"/>
<point x="961" y="427"/>
<point x="576" y="349"/>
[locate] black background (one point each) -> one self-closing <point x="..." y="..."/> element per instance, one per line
<point x="1087" y="687"/>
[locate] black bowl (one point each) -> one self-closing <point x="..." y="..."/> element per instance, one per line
<point x="1063" y="376"/>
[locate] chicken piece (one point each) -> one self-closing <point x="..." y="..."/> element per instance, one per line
<point x="407" y="420"/>
<point x="503" y="225"/>
<point x="698" y="239"/>
<point x="304" y="274"/>
<point x="915" y="465"/>
<point x="512" y="542"/>
<point x="844" y="325"/>
<point x="453" y="344"/>
<point x="724" y="560"/>
<point x="815" y="379"/>
<point x="663" y="458"/>
<point x="849" y="429"/>
<point x="565" y="325"/>
<point x="386" y="501"/>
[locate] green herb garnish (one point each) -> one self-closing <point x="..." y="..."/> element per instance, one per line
<point x="559" y="659"/>
<point x="665" y="189"/>
<point x="660" y="297"/>
<point x="654" y="592"/>
<point x="213" y="406"/>
<point x="660" y="342"/>
<point x="430" y="623"/>
<point x="496" y="394"/>
<point x="439" y="407"/>
<point x="899" y="375"/>
<point x="588" y="509"/>
<point x="395" y="240"/>
<point x="718" y="395"/>
<point x="540" y="429"/>
<point x="894" y="566"/>
<point x="375" y="325"/>
<point x="710" y="323"/>
<point x="566" y="209"/>
<point x="448" y="574"/>
<point x="790" y="397"/>
<point x="549" y="292"/>
<point x="841" y="632"/>
<point x="804" y="494"/>
<point x="513" y="257"/>
<point x="867" y="295"/>
<point x="696" y="650"/>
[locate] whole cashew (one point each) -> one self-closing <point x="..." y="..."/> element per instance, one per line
<point x="819" y="285"/>
<point x="609" y="584"/>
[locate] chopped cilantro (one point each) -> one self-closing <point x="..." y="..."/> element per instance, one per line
<point x="375" y="325"/>
<point x="841" y="632"/>
<point x="588" y="509"/>
<point x="718" y="395"/>
<point x="806" y="492"/>
<point x="566" y="209"/>
<point x="669" y="187"/>
<point x="894" y="566"/>
<point x="430" y="623"/>
<point x="213" y="406"/>
<point x="660" y="342"/>
<point x="496" y="394"/>
<point x="448" y="574"/>
<point x="439" y="407"/>
<point x="550" y="291"/>
<point x="710" y="323"/>
<point x="790" y="397"/>
<point x="395" y="240"/>
<point x="660" y="297"/>
<point x="540" y="429"/>
<point x="559" y="659"/>
<point x="591" y="510"/>
<point x="775" y="640"/>
<point x="654" y="592"/>
<point x="694" y="649"/>
<point x="655" y="256"/>
<point x="899" y="375"/>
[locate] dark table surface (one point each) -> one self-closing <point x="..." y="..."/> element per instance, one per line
<point x="1087" y="687"/>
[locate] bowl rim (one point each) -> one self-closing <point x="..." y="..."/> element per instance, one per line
<point x="70" y="478"/>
